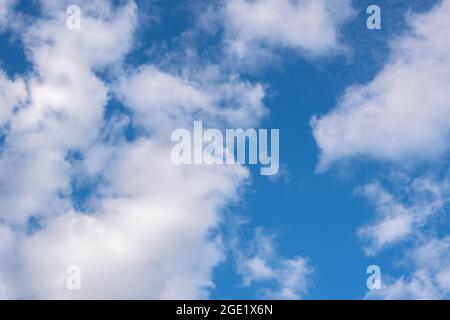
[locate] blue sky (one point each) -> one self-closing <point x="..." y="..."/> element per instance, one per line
<point x="308" y="216"/>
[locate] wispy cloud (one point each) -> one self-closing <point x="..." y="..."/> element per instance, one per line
<point x="260" y="265"/>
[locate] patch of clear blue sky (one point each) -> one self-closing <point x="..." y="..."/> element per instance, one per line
<point x="314" y="215"/>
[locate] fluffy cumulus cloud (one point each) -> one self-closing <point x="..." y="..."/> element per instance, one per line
<point x="404" y="111"/>
<point x="139" y="242"/>
<point x="65" y="108"/>
<point x="149" y="228"/>
<point x="311" y="27"/>
<point x="260" y="265"/>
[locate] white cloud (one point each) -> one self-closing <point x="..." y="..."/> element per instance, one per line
<point x="65" y="109"/>
<point x="293" y="279"/>
<point x="6" y="7"/>
<point x="254" y="28"/>
<point x="402" y="115"/>
<point x="260" y="265"/>
<point x="12" y="94"/>
<point x="6" y="253"/>
<point x="149" y="237"/>
<point x="402" y="214"/>
<point x="430" y="279"/>
<point x="257" y="270"/>
<point x="165" y="101"/>
<point x="406" y="213"/>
